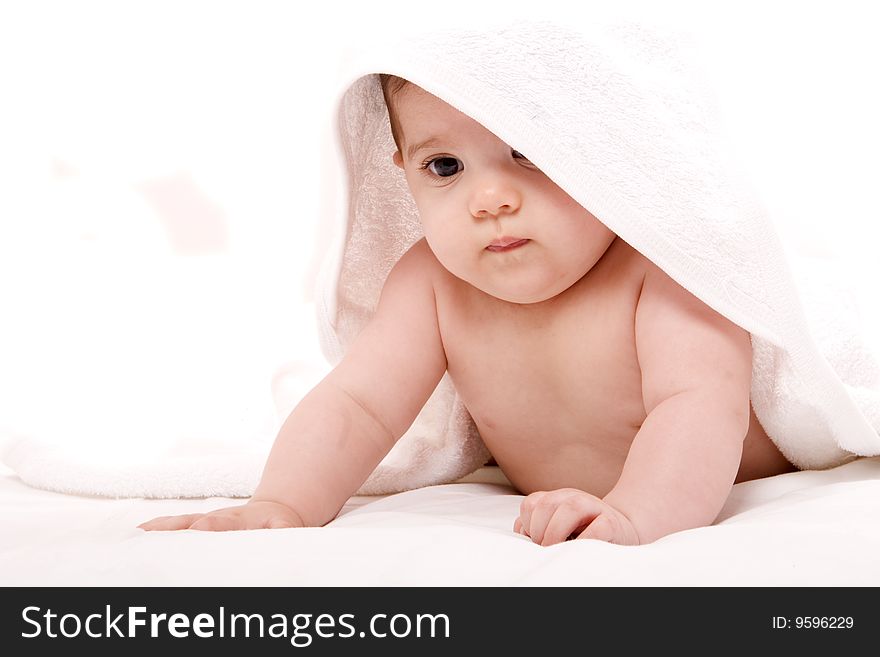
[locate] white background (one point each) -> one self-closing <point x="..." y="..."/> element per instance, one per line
<point x="160" y="177"/>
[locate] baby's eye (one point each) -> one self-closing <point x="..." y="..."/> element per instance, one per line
<point x="518" y="156"/>
<point x="444" y="167"/>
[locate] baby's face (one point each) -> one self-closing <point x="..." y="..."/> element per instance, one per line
<point x="474" y="193"/>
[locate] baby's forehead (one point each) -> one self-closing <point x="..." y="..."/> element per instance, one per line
<point x="429" y="110"/>
<point x="412" y="94"/>
<point x="427" y="121"/>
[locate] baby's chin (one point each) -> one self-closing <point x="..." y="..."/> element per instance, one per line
<point x="526" y="281"/>
<point x="522" y="292"/>
<point x="522" y="300"/>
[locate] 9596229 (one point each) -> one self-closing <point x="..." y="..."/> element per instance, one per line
<point x="813" y="622"/>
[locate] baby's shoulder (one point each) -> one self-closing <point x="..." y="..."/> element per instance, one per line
<point x="416" y="270"/>
<point x="420" y="260"/>
<point x="417" y="257"/>
<point x="420" y="251"/>
<point x="629" y="263"/>
<point x="408" y="290"/>
<point x="623" y="267"/>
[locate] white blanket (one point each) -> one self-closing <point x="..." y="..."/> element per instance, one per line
<point x="799" y="529"/>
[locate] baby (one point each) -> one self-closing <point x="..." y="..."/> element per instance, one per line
<point x="615" y="400"/>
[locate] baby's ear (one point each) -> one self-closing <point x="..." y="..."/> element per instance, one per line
<point x="398" y="159"/>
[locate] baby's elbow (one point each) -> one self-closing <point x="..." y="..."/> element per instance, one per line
<point x="726" y="406"/>
<point x="741" y="415"/>
<point x="732" y="390"/>
<point x="735" y="411"/>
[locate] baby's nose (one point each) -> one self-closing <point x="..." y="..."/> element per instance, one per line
<point x="494" y="197"/>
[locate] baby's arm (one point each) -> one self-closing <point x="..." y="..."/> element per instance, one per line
<point x="696" y="376"/>
<point x="343" y="427"/>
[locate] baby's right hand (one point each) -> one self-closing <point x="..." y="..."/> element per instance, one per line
<point x="253" y="515"/>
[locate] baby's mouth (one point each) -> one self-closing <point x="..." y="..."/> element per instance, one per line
<point x="506" y="244"/>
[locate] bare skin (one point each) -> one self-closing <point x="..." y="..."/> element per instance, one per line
<point x="612" y="398"/>
<point x="583" y="387"/>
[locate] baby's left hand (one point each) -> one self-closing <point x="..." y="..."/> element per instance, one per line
<point x="550" y="517"/>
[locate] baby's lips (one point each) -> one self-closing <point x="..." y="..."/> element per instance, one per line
<point x="506" y="243"/>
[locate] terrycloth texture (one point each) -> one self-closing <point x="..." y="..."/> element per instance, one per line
<point x="212" y="468"/>
<point x="619" y="117"/>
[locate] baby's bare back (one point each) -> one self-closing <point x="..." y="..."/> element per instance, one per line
<point x="555" y="387"/>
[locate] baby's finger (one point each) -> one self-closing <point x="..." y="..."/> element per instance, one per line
<point x="279" y="523"/>
<point x="569" y="518"/>
<point x="526" y="509"/>
<point x="602" y="529"/>
<point x="518" y="527"/>
<point x="539" y="507"/>
<point x="538" y="520"/>
<point x="221" y="523"/>
<point x="170" y="523"/>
